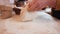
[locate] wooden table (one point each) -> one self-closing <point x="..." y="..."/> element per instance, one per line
<point x="58" y="5"/>
<point x="6" y="11"/>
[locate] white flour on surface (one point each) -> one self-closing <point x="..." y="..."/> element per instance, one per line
<point x="42" y="24"/>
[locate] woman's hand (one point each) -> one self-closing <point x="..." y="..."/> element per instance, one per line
<point x="36" y="5"/>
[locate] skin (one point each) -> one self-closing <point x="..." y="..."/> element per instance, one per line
<point x="36" y="5"/>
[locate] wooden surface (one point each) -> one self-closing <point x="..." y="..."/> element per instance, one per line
<point x="58" y="5"/>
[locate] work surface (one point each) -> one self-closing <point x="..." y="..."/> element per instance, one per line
<point x="40" y="25"/>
